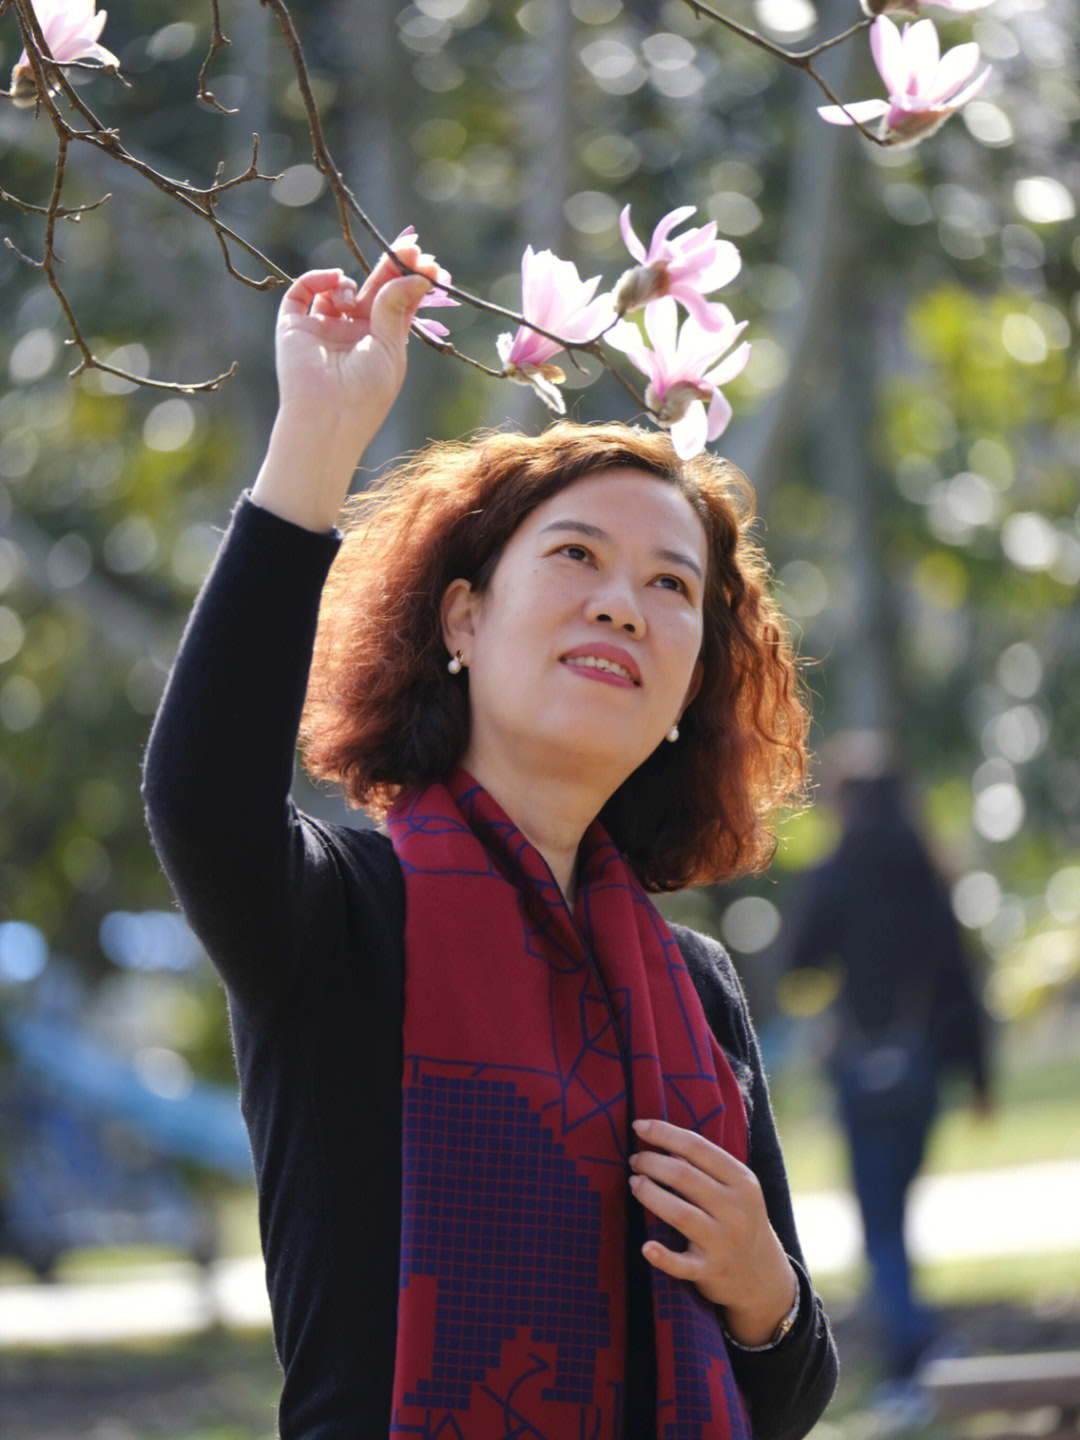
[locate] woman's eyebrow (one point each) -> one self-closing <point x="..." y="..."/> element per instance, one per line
<point x="580" y="527"/>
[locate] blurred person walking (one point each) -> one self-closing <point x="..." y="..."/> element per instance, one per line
<point x="876" y="916"/>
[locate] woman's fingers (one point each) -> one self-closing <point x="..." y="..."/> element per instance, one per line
<point x="339" y="302"/>
<point x="303" y="292"/>
<point x="693" y="1148"/>
<point x="690" y="1219"/>
<point x="332" y="294"/>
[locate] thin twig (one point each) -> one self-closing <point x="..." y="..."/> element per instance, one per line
<point x="324" y="162"/>
<point x="174" y="387"/>
<point x="73" y="213"/>
<point x="799" y="59"/>
<point x="218" y="41"/>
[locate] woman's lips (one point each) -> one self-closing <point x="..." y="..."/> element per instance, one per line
<point x="594" y="672"/>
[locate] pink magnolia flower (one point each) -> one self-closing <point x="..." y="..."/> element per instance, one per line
<point x="71" y="31"/>
<point x="684" y="392"/>
<point x="687" y="266"/>
<point x="435" y="298"/>
<point x="554" y="296"/>
<point x="924" y="86"/>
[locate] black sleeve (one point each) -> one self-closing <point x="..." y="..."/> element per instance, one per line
<point x="815" y="923"/>
<point x="248" y="869"/>
<point x="958" y="1019"/>
<point x="787" y="1387"/>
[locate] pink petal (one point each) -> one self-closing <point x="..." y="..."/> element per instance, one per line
<point x="719" y="415"/>
<point x="922" y="52"/>
<point x="533" y="349"/>
<point x="712" y="318"/>
<point x="689" y="434"/>
<point x="963" y="96"/>
<point x="433" y="329"/>
<point x="99" y="53"/>
<point x="699" y="349"/>
<point x="860" y="110"/>
<point x="956" y="68"/>
<point x="536" y="284"/>
<point x="734" y="364"/>
<point x="626" y="336"/>
<point x="585" y="324"/>
<point x="629" y="235"/>
<point x="668" y="223"/>
<point x="887" y="48"/>
<point x="725" y="262"/>
<point x="661" y="326"/>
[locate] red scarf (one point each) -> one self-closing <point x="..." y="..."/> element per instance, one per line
<point x="513" y="1301"/>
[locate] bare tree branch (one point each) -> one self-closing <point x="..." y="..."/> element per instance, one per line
<point x="74" y="213"/>
<point x="55" y="90"/>
<point x="218" y="41"/>
<point x="800" y="59"/>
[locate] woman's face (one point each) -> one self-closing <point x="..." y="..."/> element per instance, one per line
<point x="583" y="650"/>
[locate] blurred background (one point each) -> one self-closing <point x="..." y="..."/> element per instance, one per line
<point x="910" y="422"/>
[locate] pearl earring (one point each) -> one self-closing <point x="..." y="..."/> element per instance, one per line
<point x="454" y="664"/>
<point x="673" y="734"/>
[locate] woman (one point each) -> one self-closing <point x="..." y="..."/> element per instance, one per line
<point x="517" y="1171"/>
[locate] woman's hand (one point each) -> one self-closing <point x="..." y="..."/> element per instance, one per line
<point x="340" y="352"/>
<point x="340" y="348"/>
<point x="733" y="1256"/>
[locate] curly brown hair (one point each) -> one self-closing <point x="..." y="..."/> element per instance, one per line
<point x="383" y="714"/>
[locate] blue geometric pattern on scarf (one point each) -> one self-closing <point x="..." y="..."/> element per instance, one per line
<point x="697" y="1343"/>
<point x="501" y="1271"/>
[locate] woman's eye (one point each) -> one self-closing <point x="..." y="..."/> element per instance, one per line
<point x="574" y="552"/>
<point x="672" y="582"/>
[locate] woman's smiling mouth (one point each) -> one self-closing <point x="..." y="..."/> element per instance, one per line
<point x="604" y="662"/>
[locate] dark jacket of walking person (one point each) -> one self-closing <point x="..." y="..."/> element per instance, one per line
<point x="877" y="914"/>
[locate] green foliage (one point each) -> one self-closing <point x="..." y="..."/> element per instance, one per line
<point x="947" y="300"/>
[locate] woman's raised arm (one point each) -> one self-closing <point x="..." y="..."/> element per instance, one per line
<point x="218" y="767"/>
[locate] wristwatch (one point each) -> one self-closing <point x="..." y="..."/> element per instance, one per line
<point x="781" y="1330"/>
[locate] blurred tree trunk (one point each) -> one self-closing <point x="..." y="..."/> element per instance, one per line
<point x="370" y="140"/>
<point x="246" y="319"/>
<point x="545" y="124"/>
<point x="826" y="405"/>
<point x="815" y="217"/>
<point x="869" y="689"/>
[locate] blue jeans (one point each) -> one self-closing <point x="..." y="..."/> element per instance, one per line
<point x="885" y="1158"/>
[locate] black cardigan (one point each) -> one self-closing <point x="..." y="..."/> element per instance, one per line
<point x="305" y="923"/>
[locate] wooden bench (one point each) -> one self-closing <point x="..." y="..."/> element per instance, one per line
<point x="1014" y="1387"/>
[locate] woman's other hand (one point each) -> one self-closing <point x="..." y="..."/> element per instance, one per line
<point x="340" y="352"/>
<point x="733" y="1255"/>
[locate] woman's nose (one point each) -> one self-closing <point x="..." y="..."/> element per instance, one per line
<point x="616" y="605"/>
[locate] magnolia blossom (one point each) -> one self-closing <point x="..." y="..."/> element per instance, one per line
<point x="435" y="298"/>
<point x="71" y="31"/>
<point x="924" y="86"/>
<point x="687" y="267"/>
<point x="554" y="296"/>
<point x="685" y="377"/>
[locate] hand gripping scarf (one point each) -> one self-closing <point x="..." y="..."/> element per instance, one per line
<point x="512" y="1314"/>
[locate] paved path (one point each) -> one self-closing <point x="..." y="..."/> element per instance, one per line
<point x="1026" y="1209"/>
